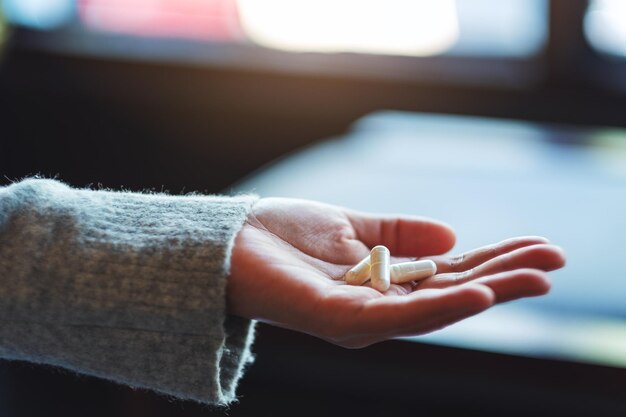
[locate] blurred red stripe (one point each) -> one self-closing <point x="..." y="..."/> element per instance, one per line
<point x="192" y="19"/>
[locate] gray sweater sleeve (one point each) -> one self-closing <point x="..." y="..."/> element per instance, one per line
<point x="127" y="287"/>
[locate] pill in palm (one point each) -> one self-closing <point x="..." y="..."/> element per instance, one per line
<point x="412" y="271"/>
<point x="379" y="268"/>
<point x="359" y="273"/>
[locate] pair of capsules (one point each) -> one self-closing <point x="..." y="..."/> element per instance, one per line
<point x="376" y="266"/>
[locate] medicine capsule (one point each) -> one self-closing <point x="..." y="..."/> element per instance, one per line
<point x="379" y="264"/>
<point x="412" y="271"/>
<point x="359" y="273"/>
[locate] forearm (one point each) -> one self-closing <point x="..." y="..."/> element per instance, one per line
<point x="129" y="287"/>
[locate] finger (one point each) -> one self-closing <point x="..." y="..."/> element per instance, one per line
<point x="403" y="235"/>
<point x="421" y="311"/>
<point x="542" y="257"/>
<point x="478" y="256"/>
<point x="520" y="283"/>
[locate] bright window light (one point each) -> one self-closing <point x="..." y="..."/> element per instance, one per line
<point x="513" y="28"/>
<point x="605" y="26"/>
<point x="398" y="27"/>
<point x="38" y="14"/>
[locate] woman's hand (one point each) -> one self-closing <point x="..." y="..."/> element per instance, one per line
<point x="289" y="259"/>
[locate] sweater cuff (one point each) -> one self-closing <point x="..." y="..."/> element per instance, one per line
<point x="125" y="286"/>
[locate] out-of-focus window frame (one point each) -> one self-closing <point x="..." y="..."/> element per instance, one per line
<point x="571" y="60"/>
<point x="513" y="72"/>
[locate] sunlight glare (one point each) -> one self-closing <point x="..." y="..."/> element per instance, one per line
<point x="394" y="27"/>
<point x="605" y="26"/>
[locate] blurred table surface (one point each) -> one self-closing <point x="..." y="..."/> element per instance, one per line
<point x="492" y="179"/>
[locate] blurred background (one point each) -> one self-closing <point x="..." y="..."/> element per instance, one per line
<point x="509" y="116"/>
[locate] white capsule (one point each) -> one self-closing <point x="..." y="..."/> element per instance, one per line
<point x="412" y="271"/>
<point x="379" y="264"/>
<point x="359" y="273"/>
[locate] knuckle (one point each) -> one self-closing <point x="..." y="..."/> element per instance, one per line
<point x="464" y="276"/>
<point x="456" y="263"/>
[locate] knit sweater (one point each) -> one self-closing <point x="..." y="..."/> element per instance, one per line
<point x="123" y="286"/>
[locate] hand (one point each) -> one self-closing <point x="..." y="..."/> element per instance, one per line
<point x="290" y="256"/>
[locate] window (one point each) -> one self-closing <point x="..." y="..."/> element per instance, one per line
<point x="605" y="26"/>
<point x="514" y="28"/>
<point x="392" y="27"/>
<point x="402" y="27"/>
<point x="38" y="14"/>
<point x="486" y="42"/>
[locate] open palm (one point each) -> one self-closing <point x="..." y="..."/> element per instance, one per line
<point x="290" y="256"/>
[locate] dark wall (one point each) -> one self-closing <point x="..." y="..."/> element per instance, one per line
<point x="183" y="127"/>
<point x="148" y="125"/>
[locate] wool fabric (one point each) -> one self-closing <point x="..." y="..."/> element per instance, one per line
<point x="124" y="286"/>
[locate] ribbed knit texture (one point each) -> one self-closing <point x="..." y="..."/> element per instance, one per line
<point x="124" y="286"/>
